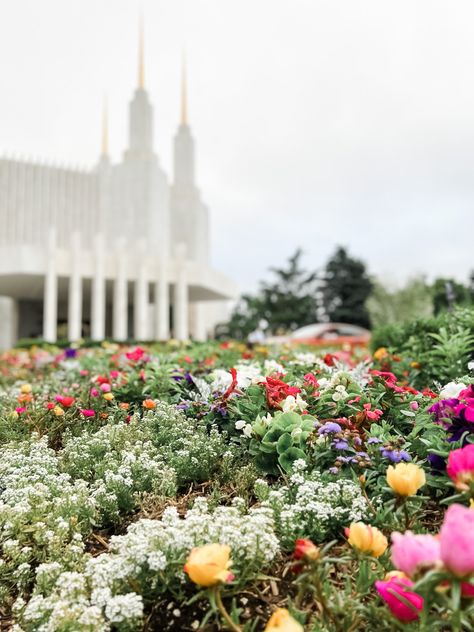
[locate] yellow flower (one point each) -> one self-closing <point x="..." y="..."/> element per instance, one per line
<point x="282" y="621"/>
<point x="58" y="411"/>
<point x="380" y="354"/>
<point x="405" y="478"/>
<point x="25" y="388"/>
<point x="208" y="565"/>
<point x="108" y="396"/>
<point x="367" y="539"/>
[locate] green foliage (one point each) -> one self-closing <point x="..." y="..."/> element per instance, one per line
<point x="346" y="289"/>
<point x="448" y="292"/>
<point x="440" y="346"/>
<point x="412" y="301"/>
<point x="282" y="443"/>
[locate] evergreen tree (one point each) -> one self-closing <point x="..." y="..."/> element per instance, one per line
<point x="346" y="289"/>
<point x="289" y="302"/>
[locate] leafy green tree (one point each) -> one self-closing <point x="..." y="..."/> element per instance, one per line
<point x="345" y="289"/>
<point x="387" y="307"/>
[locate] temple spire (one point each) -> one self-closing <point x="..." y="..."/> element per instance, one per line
<point x="184" y="93"/>
<point x="105" y="129"/>
<point x="141" y="56"/>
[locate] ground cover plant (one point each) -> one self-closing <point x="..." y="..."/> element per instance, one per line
<point x="216" y="486"/>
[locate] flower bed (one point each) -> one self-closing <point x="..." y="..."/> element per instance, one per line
<point x="207" y="487"/>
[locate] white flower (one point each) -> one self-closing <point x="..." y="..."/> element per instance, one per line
<point x="292" y="403"/>
<point x="470" y="366"/>
<point x="451" y="390"/>
<point x="337" y="397"/>
<point x="247" y="430"/>
<point x="240" y="424"/>
<point x="289" y="404"/>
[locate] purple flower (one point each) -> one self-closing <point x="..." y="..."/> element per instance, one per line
<point x="373" y="440"/>
<point x="70" y="353"/>
<point x="333" y="470"/>
<point x="329" y="427"/>
<point x="341" y="444"/>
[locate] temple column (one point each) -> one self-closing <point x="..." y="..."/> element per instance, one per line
<point x="140" y="325"/>
<point x="181" y="306"/>
<point x="50" y="300"/>
<point x="162" y="305"/>
<point x="98" y="291"/>
<point x="198" y="324"/>
<point x="75" y="291"/>
<point x="120" y="307"/>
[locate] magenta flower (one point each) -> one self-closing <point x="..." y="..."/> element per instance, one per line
<point x="20" y="409"/>
<point x="87" y="412"/>
<point x="461" y="466"/>
<point x="411" y="552"/>
<point x="403" y="604"/>
<point x="457" y="542"/>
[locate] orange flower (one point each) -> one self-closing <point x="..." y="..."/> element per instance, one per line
<point x="367" y="539"/>
<point x="124" y="405"/>
<point x="208" y="565"/>
<point x="149" y="404"/>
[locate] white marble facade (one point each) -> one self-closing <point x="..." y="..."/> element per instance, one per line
<point x="114" y="251"/>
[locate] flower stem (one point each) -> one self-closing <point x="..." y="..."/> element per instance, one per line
<point x="226" y="616"/>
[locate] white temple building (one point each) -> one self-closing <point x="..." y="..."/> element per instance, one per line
<point x="115" y="251"/>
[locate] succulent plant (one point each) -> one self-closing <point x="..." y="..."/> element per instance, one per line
<point x="278" y="445"/>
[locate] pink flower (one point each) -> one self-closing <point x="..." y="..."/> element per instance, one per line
<point x="404" y="604"/>
<point x="136" y="355"/>
<point x="83" y="372"/>
<point x="20" y="409"/>
<point x="411" y="552"/>
<point x="86" y="412"/>
<point x="374" y="415"/>
<point x="114" y="374"/>
<point x="94" y="392"/>
<point x="414" y="405"/>
<point x="105" y="388"/>
<point x="461" y="466"/>
<point x="457" y="542"/>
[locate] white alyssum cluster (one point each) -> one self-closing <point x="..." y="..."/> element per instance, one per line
<point x="310" y="507"/>
<point x="119" y="461"/>
<point x="149" y="559"/>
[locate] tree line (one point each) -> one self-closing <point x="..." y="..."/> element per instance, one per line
<point x="342" y="291"/>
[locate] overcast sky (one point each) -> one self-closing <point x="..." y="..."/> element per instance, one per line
<point x="318" y="122"/>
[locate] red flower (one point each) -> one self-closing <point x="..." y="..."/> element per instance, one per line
<point x="66" y="401"/>
<point x="233" y="384"/>
<point x="277" y="391"/>
<point x="305" y="550"/>
<point x="329" y="359"/>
